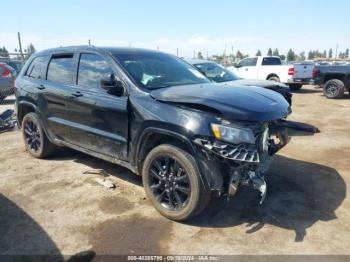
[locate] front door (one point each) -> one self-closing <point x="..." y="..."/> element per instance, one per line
<point x="99" y="121"/>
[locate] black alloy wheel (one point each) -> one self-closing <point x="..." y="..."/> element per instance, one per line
<point x="169" y="183"/>
<point x="32" y="136"/>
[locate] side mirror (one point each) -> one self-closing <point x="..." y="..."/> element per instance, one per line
<point x="235" y="65"/>
<point x="113" y="86"/>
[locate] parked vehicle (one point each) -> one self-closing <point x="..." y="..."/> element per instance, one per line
<point x="271" y="68"/>
<point x="15" y="64"/>
<point x="155" y="114"/>
<point x="219" y="74"/>
<point x="7" y="79"/>
<point x="334" y="79"/>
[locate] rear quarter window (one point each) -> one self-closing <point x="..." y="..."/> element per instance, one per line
<point x="61" y="69"/>
<point x="271" y="61"/>
<point x="37" y="68"/>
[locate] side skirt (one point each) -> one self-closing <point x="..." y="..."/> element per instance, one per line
<point x="98" y="155"/>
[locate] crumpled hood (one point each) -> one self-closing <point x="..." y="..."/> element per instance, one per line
<point x="233" y="102"/>
<point x="253" y="82"/>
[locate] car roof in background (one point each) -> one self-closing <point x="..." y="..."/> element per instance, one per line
<point x="194" y="61"/>
<point x="119" y="50"/>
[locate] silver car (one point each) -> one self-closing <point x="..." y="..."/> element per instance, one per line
<point x="7" y="80"/>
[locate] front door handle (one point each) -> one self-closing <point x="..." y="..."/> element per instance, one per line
<point x="75" y="95"/>
<point x="41" y="87"/>
<point x="246" y="69"/>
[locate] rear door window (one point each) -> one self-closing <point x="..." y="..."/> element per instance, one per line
<point x="248" y="62"/>
<point x="37" y="68"/>
<point x="92" y="68"/>
<point x="271" y="61"/>
<point x="61" y="69"/>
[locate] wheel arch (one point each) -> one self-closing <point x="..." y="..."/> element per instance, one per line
<point x="24" y="108"/>
<point x="272" y="75"/>
<point x="154" y="136"/>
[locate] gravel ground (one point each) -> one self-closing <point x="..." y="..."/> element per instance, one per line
<point x="54" y="206"/>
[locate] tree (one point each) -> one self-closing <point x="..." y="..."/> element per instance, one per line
<point x="290" y="55"/>
<point x="330" y="53"/>
<point x="258" y="53"/>
<point x="283" y="57"/>
<point x="269" y="52"/>
<point x="4" y="52"/>
<point x="346" y="54"/>
<point x="324" y="55"/>
<point x="275" y="52"/>
<point x="199" y="55"/>
<point x="302" y="56"/>
<point x="30" y="50"/>
<point x="310" y="55"/>
<point x="239" y="55"/>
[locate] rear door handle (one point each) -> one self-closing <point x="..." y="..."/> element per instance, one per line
<point x="41" y="87"/>
<point x="75" y="95"/>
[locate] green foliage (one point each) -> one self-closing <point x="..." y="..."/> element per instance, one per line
<point x="291" y="55"/>
<point x="330" y="53"/>
<point x="269" y="52"/>
<point x="4" y="52"/>
<point x="199" y="55"/>
<point x="258" y="53"/>
<point x="30" y="50"/>
<point x="275" y="52"/>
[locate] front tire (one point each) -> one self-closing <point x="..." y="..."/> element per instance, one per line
<point x="334" y="89"/>
<point x="35" y="139"/>
<point x="173" y="183"/>
<point x="295" y="87"/>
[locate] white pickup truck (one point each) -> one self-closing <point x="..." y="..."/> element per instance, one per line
<point x="271" y="68"/>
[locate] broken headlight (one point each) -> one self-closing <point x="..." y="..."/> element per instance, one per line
<point x="234" y="135"/>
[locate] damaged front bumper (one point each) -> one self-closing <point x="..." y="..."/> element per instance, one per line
<point x="245" y="164"/>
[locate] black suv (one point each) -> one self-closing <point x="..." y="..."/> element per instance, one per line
<point x="154" y="114"/>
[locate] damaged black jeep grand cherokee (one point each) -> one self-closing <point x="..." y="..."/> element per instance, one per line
<point x="154" y="114"/>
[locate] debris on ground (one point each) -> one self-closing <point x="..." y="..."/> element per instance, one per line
<point x="7" y="120"/>
<point x="105" y="182"/>
<point x="97" y="172"/>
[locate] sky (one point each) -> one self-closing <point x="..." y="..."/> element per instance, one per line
<point x="210" y="27"/>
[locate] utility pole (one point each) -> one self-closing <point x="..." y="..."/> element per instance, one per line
<point x="20" y="45"/>
<point x="177" y="52"/>
<point x="89" y="42"/>
<point x="336" y="51"/>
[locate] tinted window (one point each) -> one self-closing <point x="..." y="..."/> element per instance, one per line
<point x="91" y="69"/>
<point x="271" y="61"/>
<point x="154" y="70"/>
<point x="248" y="62"/>
<point x="216" y="72"/>
<point x="61" y="69"/>
<point x="37" y="68"/>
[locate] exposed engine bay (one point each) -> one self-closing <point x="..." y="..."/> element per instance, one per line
<point x="246" y="164"/>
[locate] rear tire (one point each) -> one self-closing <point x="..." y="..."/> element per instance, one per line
<point x="334" y="89"/>
<point x="177" y="195"/>
<point x="274" y="78"/>
<point x="295" y="87"/>
<point x="35" y="139"/>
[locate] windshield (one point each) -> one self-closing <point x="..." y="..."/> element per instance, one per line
<point x="216" y="72"/>
<point x="16" y="65"/>
<point x="153" y="70"/>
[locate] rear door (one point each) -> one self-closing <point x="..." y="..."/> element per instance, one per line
<point x="98" y="120"/>
<point x="57" y="88"/>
